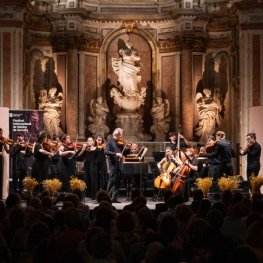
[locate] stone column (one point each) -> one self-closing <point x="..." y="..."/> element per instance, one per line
<point x="72" y="94"/>
<point x="82" y="116"/>
<point x="186" y="95"/>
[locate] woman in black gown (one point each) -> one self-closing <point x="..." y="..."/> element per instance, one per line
<point x="101" y="173"/>
<point x="67" y="165"/>
<point x="40" y="165"/>
<point x="89" y="153"/>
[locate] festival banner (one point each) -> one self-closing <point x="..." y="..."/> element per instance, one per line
<point x="29" y="123"/>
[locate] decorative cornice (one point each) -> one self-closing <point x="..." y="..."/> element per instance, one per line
<point x="90" y="45"/>
<point x="63" y="43"/>
<point x="169" y="45"/>
<point x="41" y="26"/>
<point x="16" y="4"/>
<point x="245" y="7"/>
<point x="250" y="26"/>
<point x="129" y="25"/>
<point x="199" y="44"/>
<point x="17" y="24"/>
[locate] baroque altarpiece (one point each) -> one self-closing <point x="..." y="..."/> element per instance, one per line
<point x="143" y="65"/>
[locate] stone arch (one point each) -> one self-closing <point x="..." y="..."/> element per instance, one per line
<point x="148" y="64"/>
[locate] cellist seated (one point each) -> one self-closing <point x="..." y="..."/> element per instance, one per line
<point x="186" y="173"/>
<point x="167" y="165"/>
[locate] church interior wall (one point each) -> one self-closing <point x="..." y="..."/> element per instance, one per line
<point x="184" y="50"/>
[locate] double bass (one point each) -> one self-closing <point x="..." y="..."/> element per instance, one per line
<point x="182" y="173"/>
<point x="164" y="180"/>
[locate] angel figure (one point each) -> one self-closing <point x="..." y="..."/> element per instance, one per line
<point x="99" y="111"/>
<point x="209" y="114"/>
<point x="51" y="104"/>
<point x="160" y="114"/>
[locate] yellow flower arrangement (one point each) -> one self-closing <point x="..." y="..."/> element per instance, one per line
<point x="29" y="183"/>
<point x="228" y="183"/>
<point x="256" y="182"/>
<point x="52" y="185"/>
<point x="76" y="183"/>
<point x="204" y="184"/>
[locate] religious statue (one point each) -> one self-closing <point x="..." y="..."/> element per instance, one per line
<point x="51" y="104"/>
<point x="160" y="114"/>
<point x="127" y="68"/>
<point x="209" y="111"/>
<point x="99" y="111"/>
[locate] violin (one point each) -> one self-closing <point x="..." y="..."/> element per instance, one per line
<point x="101" y="146"/>
<point x="4" y="140"/>
<point x="122" y="142"/>
<point x="209" y="147"/>
<point x="26" y="145"/>
<point x="72" y="146"/>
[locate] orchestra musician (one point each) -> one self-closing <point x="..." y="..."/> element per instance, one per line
<point x="101" y="173"/>
<point x="168" y="158"/>
<point x="115" y="149"/>
<point x="173" y="141"/>
<point x="193" y="174"/>
<point x="253" y="152"/>
<point x="210" y="160"/>
<point x="221" y="154"/>
<point x="54" y="166"/>
<point x="20" y="152"/>
<point x="40" y="165"/>
<point x="89" y="153"/>
<point x="3" y="147"/>
<point x="67" y="164"/>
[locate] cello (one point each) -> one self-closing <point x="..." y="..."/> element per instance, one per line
<point x="182" y="173"/>
<point x="164" y="180"/>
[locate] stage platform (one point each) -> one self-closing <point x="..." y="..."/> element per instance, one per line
<point x="119" y="206"/>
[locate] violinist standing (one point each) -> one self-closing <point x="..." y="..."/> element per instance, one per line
<point x="221" y="164"/>
<point x="40" y="165"/>
<point x="88" y="150"/>
<point x="20" y="152"/>
<point x="114" y="152"/>
<point x="210" y="160"/>
<point x="193" y="174"/>
<point x="101" y="173"/>
<point x="55" y="160"/>
<point x="3" y="147"/>
<point x="67" y="164"/>
<point x="253" y="152"/>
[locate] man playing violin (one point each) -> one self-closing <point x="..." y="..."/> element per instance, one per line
<point x="253" y="152"/>
<point x="20" y="152"/>
<point x="115" y="152"/>
<point x="221" y="164"/>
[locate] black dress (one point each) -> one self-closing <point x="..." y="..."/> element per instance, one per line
<point x="67" y="168"/>
<point x="101" y="173"/>
<point x="89" y="172"/>
<point x="40" y="165"/>
<point x="19" y="165"/>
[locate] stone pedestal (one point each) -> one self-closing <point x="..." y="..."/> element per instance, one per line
<point x="131" y="123"/>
